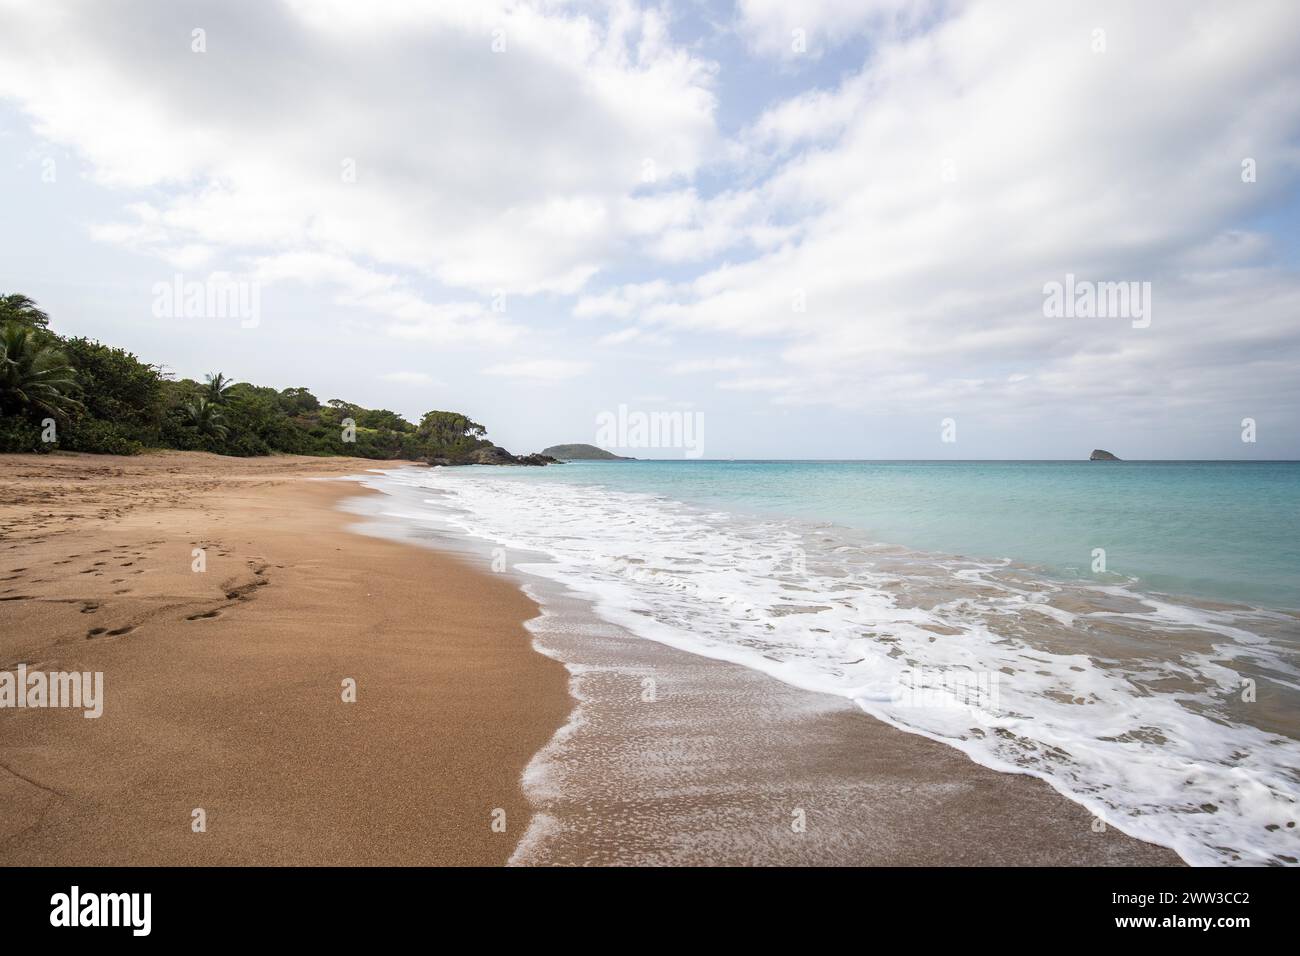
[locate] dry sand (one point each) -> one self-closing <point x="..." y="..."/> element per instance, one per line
<point x="223" y="689"/>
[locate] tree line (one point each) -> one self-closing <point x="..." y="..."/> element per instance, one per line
<point x="77" y="394"/>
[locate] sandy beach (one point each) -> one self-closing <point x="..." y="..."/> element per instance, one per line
<point x="223" y="689"/>
<point x="223" y="692"/>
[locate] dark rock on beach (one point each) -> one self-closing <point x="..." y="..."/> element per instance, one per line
<point x="537" y="458"/>
<point x="495" y="455"/>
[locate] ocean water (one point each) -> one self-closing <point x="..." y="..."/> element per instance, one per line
<point x="966" y="601"/>
<point x="1222" y="530"/>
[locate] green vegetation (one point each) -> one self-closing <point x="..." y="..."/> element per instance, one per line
<point x="33" y="375"/>
<point x="92" y="397"/>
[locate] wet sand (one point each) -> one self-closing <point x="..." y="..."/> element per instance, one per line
<point x="728" y="766"/>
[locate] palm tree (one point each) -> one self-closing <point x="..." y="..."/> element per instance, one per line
<point x="217" y="385"/>
<point x="21" y="309"/>
<point x="34" y="376"/>
<point x="206" y="417"/>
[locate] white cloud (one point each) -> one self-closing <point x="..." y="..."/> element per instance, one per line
<point x="727" y="364"/>
<point x="934" y="193"/>
<point x="621" y="337"/>
<point x="408" y="378"/>
<point x="411" y="315"/>
<point x="481" y="170"/>
<point x="771" y="25"/>
<point x="768" y="384"/>
<point x="538" y="371"/>
<point x="633" y="333"/>
<point x="623" y="302"/>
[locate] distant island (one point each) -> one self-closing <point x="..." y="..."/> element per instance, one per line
<point x="582" y="453"/>
<point x="1099" y="454"/>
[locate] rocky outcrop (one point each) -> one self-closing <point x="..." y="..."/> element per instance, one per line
<point x="495" y="455"/>
<point x="537" y="458"/>
<point x="581" y="452"/>
<point x="1101" y="455"/>
<point x="491" y="455"/>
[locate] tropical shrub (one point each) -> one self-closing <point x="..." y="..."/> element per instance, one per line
<point x="105" y="400"/>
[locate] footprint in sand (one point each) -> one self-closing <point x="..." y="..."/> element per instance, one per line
<point x="105" y="632"/>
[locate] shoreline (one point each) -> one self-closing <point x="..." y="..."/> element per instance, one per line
<point x="223" y="688"/>
<point x="711" y="771"/>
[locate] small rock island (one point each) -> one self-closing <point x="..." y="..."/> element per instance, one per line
<point x="582" y="453"/>
<point x="1099" y="454"/>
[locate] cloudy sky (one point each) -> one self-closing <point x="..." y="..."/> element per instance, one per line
<point x="825" y="226"/>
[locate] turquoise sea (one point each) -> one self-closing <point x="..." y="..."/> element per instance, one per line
<point x="1219" y="530"/>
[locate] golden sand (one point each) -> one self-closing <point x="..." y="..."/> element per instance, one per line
<point x="223" y="688"/>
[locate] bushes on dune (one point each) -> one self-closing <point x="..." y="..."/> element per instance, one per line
<point x="106" y="401"/>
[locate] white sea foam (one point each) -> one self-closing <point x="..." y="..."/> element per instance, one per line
<point x="1141" y="731"/>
